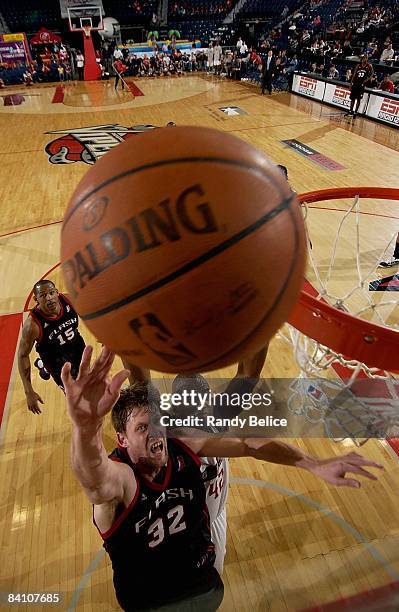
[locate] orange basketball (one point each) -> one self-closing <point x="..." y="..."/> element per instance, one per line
<point x="183" y="249"/>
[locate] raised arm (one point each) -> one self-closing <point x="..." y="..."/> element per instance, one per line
<point x="30" y="333"/>
<point x="275" y="451"/>
<point x="89" y="398"/>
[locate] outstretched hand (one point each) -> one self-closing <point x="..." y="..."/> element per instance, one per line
<point x="334" y="470"/>
<point x="93" y="394"/>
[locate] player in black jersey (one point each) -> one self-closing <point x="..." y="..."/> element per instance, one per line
<point x="53" y="326"/>
<point x="148" y="496"/>
<point x="361" y="75"/>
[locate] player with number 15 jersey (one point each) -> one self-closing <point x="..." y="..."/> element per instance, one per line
<point x="52" y="325"/>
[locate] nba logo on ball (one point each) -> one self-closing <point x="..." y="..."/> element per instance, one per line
<point x="185" y="250"/>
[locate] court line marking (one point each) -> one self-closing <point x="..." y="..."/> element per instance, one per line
<point x="345" y="526"/>
<point x="372" y="214"/>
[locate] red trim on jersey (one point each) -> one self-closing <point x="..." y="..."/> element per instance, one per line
<point x="188" y="450"/>
<point x="106" y="534"/>
<point x="31" y="314"/>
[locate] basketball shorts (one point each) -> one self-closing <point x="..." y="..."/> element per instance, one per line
<point x="356" y="92"/>
<point x="206" y="596"/>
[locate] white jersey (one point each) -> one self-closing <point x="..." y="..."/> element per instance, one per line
<point x="216" y="487"/>
<point x="216" y="479"/>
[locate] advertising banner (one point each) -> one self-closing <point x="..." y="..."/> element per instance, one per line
<point x="385" y="109"/>
<point x="308" y="86"/>
<point x="14" y="48"/>
<point x="12" y="52"/>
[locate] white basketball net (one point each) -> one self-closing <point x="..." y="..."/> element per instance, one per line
<point x="359" y="417"/>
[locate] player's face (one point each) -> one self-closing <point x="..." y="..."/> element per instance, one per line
<point x="145" y="443"/>
<point x="47" y="299"/>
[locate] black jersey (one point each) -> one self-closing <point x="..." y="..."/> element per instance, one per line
<point x="362" y="73"/>
<point x="160" y="546"/>
<point x="59" y="340"/>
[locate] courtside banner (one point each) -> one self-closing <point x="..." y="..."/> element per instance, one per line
<point x="339" y="95"/>
<point x="308" y="86"/>
<point x="384" y="109"/>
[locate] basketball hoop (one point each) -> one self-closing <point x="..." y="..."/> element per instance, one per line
<point x="87" y="31"/>
<point x="345" y="341"/>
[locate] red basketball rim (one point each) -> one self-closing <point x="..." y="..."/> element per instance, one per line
<point x="355" y="338"/>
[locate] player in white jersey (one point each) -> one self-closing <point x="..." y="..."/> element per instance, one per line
<point x="217" y="488"/>
<point x="215" y="470"/>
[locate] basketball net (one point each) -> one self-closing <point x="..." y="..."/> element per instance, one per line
<point x="354" y="387"/>
<point x="87" y="31"/>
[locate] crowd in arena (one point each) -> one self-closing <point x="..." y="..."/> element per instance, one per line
<point x="309" y="38"/>
<point x="199" y="7"/>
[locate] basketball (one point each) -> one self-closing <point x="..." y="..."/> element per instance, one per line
<point x="183" y="250"/>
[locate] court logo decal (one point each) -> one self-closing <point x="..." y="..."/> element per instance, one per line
<point x="313" y="155"/>
<point x="88" y="144"/>
<point x="389" y="283"/>
<point x="232" y="111"/>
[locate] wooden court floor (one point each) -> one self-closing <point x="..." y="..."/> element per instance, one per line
<point x="293" y="542"/>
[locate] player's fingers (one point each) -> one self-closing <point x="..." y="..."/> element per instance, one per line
<point x="85" y="362"/>
<point x="102" y="369"/>
<point x="350" y="482"/>
<point x="100" y="361"/>
<point x="355" y="459"/>
<point x="117" y="381"/>
<point x="355" y="469"/>
<point x="66" y="373"/>
<point x="39" y="399"/>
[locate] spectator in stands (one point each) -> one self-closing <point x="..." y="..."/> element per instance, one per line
<point x="347" y="50"/>
<point x="386" y="84"/>
<point x="27" y="76"/>
<point x="243" y="49"/>
<point x="237" y="61"/>
<point x="336" y="50"/>
<point x="333" y="73"/>
<point x="80" y="63"/>
<point x="118" y="55"/>
<point x="348" y="75"/>
<point x="373" y="82"/>
<point x="68" y="72"/>
<point x="388" y="55"/>
<point x="239" y="44"/>
<point x="61" y="72"/>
